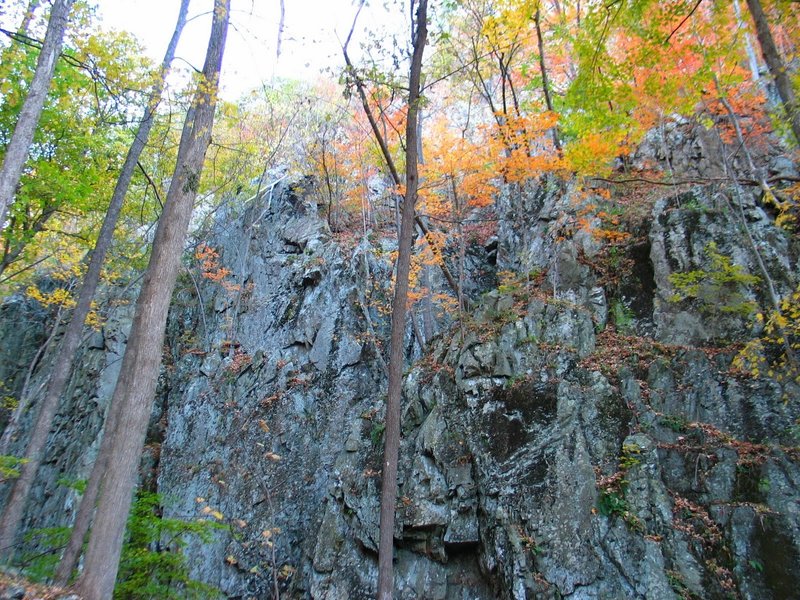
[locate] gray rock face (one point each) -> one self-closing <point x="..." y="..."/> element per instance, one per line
<point x="687" y="149"/>
<point x="539" y="458"/>
<point x="688" y="228"/>
<point x="545" y="452"/>
<point x="260" y="413"/>
<point x="75" y="437"/>
<point x="22" y="331"/>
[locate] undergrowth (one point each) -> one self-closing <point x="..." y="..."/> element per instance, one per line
<point x="152" y="563"/>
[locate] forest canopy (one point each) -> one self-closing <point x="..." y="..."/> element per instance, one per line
<point x="512" y="89"/>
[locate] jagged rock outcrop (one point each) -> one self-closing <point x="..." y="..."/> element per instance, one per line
<point x="581" y="433"/>
<point x="567" y="462"/>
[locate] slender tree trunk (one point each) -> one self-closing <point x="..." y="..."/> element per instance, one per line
<point x="776" y="66"/>
<point x="135" y="388"/>
<point x="548" y="98"/>
<point x="458" y="217"/>
<point x="391" y="447"/>
<point x="71" y="340"/>
<point x="21" y="139"/>
<point x="28" y="17"/>
<point x="752" y="59"/>
<point x="86" y="507"/>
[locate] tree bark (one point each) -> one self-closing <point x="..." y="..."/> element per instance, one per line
<point x="752" y="59"/>
<point x="548" y="98"/>
<point x="396" y="356"/>
<point x="776" y="66"/>
<point x="80" y="527"/>
<point x="71" y="340"/>
<point x="21" y="139"/>
<point x="135" y="388"/>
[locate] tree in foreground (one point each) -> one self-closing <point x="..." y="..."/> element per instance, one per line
<point x="135" y="389"/>
<point x="12" y="514"/>
<point x="17" y="149"/>
<point x="101" y="80"/>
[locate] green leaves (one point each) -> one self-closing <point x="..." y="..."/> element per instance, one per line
<point x="80" y="140"/>
<point x="637" y="61"/>
<point x="9" y="467"/>
<point x="152" y="565"/>
<point x="722" y="288"/>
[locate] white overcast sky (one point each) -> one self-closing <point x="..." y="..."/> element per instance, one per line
<point x="312" y="30"/>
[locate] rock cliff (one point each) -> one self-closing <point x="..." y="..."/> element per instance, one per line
<point x="581" y="433"/>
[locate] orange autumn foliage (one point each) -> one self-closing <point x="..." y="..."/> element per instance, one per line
<point x="524" y="147"/>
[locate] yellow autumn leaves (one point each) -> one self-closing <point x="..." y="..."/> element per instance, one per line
<point x="57" y="292"/>
<point x="774" y="352"/>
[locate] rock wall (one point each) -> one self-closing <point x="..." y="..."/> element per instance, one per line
<point x="580" y="434"/>
<point x="546" y="453"/>
<point x="74" y="439"/>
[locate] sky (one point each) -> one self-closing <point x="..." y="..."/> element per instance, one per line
<point x="310" y="42"/>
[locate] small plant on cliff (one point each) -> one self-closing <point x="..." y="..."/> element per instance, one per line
<point x="9" y="467"/>
<point x="679" y="586"/>
<point x="612" y="501"/>
<point x="788" y="207"/>
<point x="376" y="433"/>
<point x="722" y="288"/>
<point x="623" y="317"/>
<point x="676" y="423"/>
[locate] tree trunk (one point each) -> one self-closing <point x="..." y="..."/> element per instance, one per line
<point x="21" y="139"/>
<point x="776" y="66"/>
<point x="71" y="340"/>
<point x="28" y="17"/>
<point x="548" y="98"/>
<point x="396" y="356"/>
<point x="752" y="59"/>
<point x="135" y="388"/>
<point x="83" y="519"/>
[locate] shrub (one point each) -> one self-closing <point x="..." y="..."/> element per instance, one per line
<point x="720" y="289"/>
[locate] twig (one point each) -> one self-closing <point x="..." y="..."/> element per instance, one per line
<point x="206" y="343"/>
<point x="362" y="303"/>
<point x="686" y="18"/>
<point x="772" y="293"/>
<point x="23" y="269"/>
<point x="359" y="84"/>
<point x="698" y="181"/>
<point x="152" y="184"/>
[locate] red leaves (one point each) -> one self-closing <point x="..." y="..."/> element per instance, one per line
<point x="209" y="263"/>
